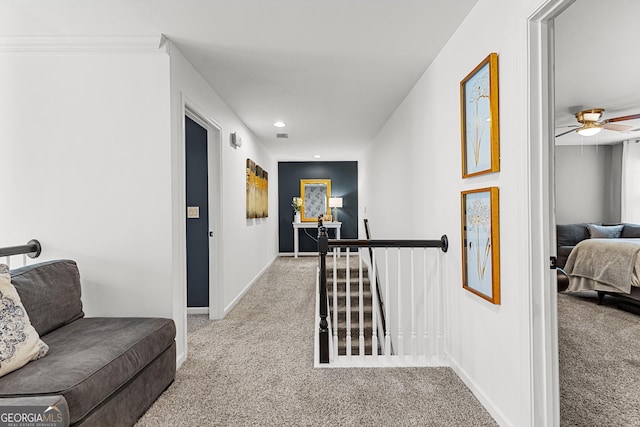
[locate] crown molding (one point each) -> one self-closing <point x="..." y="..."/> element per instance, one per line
<point x="82" y="44"/>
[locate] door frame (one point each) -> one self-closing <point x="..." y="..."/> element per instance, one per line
<point x="214" y="153"/>
<point x="544" y="309"/>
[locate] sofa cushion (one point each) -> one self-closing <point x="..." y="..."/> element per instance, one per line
<point x="605" y="231"/>
<point x="90" y="359"/>
<point x="50" y="292"/>
<point x="19" y="341"/>
<point x="571" y="234"/>
<point x="631" y="231"/>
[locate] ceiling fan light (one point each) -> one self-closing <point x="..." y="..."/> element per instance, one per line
<point x="589" y="130"/>
<point x="591" y="117"/>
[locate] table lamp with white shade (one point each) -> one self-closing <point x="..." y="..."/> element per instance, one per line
<point x="335" y="202"/>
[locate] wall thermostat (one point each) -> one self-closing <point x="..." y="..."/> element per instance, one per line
<point x="236" y="141"/>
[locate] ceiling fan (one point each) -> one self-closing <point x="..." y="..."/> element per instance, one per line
<point x="590" y="123"/>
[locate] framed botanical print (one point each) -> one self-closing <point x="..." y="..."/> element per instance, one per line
<point x="481" y="243"/>
<point x="479" y="119"/>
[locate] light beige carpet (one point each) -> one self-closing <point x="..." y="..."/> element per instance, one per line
<point x="255" y="368"/>
<point x="599" y="348"/>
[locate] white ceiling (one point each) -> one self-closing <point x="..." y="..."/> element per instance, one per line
<point x="333" y="70"/>
<point x="597" y="66"/>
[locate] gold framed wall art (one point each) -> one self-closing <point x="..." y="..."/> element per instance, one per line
<point x="481" y="242"/>
<point x="479" y="119"/>
<point x="315" y="194"/>
<point x="257" y="191"/>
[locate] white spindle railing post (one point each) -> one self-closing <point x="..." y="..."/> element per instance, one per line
<point x="400" y="338"/>
<point x="437" y="297"/>
<point x="361" y="346"/>
<point x="335" y="305"/>
<point x="412" y="302"/>
<point x="348" y="303"/>
<point x="374" y="307"/>
<point x="22" y="261"/>
<point x="387" y="333"/>
<point x="426" y="311"/>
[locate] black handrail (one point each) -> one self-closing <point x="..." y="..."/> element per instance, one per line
<point x="32" y="249"/>
<point x="443" y="243"/>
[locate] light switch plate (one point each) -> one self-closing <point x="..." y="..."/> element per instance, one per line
<point x="193" y="211"/>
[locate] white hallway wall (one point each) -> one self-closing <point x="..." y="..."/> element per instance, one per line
<point x="250" y="245"/>
<point x="412" y="190"/>
<point x="84" y="143"/>
<point x="88" y="146"/>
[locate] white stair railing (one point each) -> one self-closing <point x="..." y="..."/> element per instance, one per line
<point x="410" y="294"/>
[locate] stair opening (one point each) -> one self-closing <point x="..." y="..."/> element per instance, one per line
<point x="379" y="302"/>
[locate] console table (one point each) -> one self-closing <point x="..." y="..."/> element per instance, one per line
<point x="298" y="225"/>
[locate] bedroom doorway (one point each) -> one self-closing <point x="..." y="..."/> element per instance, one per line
<point x="597" y="344"/>
<point x="544" y="314"/>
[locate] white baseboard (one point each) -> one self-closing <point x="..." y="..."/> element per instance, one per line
<point x="228" y="308"/>
<point x="180" y="358"/>
<point x="197" y="310"/>
<point x="488" y="404"/>
<point x="300" y="254"/>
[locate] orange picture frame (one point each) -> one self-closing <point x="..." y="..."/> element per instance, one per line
<point x="481" y="242"/>
<point x="479" y="119"/>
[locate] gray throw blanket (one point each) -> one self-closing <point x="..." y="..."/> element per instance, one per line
<point x="608" y="261"/>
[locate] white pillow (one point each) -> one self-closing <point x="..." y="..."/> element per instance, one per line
<point x="19" y="341"/>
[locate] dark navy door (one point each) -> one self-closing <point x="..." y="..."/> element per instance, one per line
<point x="197" y="178"/>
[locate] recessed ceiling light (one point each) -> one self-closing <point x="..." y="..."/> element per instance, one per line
<point x="317" y="156"/>
<point x="279" y="124"/>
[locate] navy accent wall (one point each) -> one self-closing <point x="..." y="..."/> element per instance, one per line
<point x="344" y="183"/>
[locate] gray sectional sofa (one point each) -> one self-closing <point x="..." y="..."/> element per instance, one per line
<point x="99" y="371"/>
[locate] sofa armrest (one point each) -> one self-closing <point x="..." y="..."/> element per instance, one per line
<point x="563" y="255"/>
<point x="563" y="279"/>
<point x="631" y="231"/>
<point x="571" y="234"/>
<point x="53" y="408"/>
